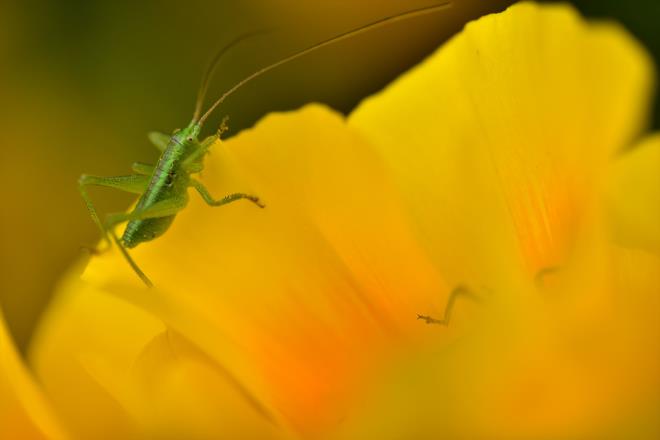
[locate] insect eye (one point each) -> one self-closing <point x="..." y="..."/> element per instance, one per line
<point x="190" y="139"/>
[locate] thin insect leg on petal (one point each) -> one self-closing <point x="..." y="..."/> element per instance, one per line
<point x="145" y="279"/>
<point x="542" y="275"/>
<point x="453" y="295"/>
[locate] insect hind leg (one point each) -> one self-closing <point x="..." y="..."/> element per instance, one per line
<point x="129" y="259"/>
<point x="110" y="232"/>
<point x="82" y="184"/>
<point x="453" y="295"/>
<point x="133" y="183"/>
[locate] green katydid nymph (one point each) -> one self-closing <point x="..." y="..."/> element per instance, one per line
<point x="163" y="188"/>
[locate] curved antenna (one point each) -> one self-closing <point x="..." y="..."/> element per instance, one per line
<point x="206" y="79"/>
<point x="365" y="28"/>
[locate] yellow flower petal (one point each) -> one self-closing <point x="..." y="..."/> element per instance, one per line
<point x="183" y="393"/>
<point x="516" y="138"/>
<point x="24" y="413"/>
<point x="634" y="190"/>
<point x="499" y="138"/>
<point x="548" y="370"/>
<point x="499" y="145"/>
<point x="84" y="334"/>
<point x="300" y="299"/>
<point x="114" y="371"/>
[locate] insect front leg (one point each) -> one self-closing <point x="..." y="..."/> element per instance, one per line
<point x="133" y="184"/>
<point x="458" y="291"/>
<point x="208" y="198"/>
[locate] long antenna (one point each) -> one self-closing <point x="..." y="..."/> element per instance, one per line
<point x="335" y="39"/>
<point x="206" y="79"/>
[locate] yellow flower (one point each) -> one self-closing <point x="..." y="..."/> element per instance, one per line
<point x="506" y="163"/>
<point x="24" y="413"/>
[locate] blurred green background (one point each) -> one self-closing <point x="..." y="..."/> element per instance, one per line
<point x="83" y="81"/>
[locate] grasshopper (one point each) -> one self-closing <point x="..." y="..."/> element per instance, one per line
<point x="163" y="188"/>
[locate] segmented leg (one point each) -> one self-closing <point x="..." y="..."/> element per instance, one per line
<point x="145" y="279"/>
<point x="160" y="140"/>
<point x="208" y="198"/>
<point x="458" y="291"/>
<point x="133" y="184"/>
<point x="143" y="169"/>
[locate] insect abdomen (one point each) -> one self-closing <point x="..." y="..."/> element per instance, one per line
<point x="138" y="231"/>
<point x="167" y="182"/>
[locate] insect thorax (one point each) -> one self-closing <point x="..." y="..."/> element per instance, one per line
<point x="169" y="180"/>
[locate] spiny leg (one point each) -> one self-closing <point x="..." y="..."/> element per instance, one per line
<point x="458" y="291"/>
<point x="223" y="201"/>
<point x="130" y="260"/>
<point x="133" y="184"/>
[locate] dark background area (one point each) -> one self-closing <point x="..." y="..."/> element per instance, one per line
<point x="641" y="17"/>
<point x="83" y="81"/>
